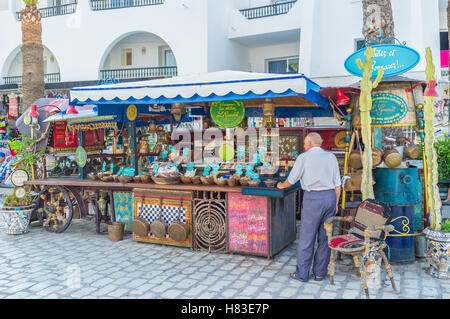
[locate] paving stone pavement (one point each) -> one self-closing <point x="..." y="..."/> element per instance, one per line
<point x="82" y="264"/>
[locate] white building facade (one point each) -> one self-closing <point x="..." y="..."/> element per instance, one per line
<point x="89" y="40"/>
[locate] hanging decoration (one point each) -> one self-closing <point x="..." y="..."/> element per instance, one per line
<point x="434" y="200"/>
<point x="365" y="102"/>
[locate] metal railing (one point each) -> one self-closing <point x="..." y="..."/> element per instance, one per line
<point x="117" y="4"/>
<point x="268" y="11"/>
<point x="62" y="9"/>
<point x="140" y="73"/>
<point x="444" y="72"/>
<point x="48" y="78"/>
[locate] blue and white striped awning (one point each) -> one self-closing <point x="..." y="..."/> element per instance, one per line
<point x="215" y="86"/>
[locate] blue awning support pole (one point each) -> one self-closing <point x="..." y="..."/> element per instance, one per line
<point x="133" y="146"/>
<point x="81" y="142"/>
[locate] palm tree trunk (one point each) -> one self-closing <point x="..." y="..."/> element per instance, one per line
<point x="33" y="84"/>
<point x="377" y="14"/>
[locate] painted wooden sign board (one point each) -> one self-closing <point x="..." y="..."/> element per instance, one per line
<point x="248" y="224"/>
<point x="227" y="114"/>
<point x="393" y="58"/>
<point x="387" y="108"/>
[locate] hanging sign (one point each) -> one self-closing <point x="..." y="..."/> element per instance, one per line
<point x="393" y="58"/>
<point x="227" y="114"/>
<point x="13" y="110"/>
<point x="80" y="156"/>
<point x="132" y="112"/>
<point x="19" y="177"/>
<point x="387" y="108"/>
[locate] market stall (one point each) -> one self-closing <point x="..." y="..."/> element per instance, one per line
<point x="209" y="188"/>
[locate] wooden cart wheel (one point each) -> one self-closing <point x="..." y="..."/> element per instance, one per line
<point x="55" y="208"/>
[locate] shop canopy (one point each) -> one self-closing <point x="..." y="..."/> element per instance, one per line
<point x="292" y="93"/>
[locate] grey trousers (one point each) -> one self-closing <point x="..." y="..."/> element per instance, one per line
<point x="316" y="208"/>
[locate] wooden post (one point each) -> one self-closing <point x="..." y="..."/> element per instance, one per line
<point x="133" y="146"/>
<point x="81" y="142"/>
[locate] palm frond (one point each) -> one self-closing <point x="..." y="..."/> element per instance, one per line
<point x="35" y="2"/>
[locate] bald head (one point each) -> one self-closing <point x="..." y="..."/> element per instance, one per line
<point x="313" y="139"/>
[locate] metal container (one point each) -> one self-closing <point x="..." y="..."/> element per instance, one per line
<point x="397" y="187"/>
<point x="115" y="231"/>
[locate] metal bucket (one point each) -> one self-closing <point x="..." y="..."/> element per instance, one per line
<point x="115" y="231"/>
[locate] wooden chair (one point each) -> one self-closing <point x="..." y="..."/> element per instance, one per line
<point x="369" y="231"/>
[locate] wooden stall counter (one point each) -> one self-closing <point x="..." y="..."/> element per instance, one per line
<point x="257" y="221"/>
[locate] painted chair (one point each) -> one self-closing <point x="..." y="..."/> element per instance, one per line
<point x="368" y="233"/>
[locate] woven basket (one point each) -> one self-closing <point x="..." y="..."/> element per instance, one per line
<point x="207" y="180"/>
<point x="125" y="179"/>
<point x="185" y="179"/>
<point x="196" y="180"/>
<point x="94" y="177"/>
<point x="244" y="181"/>
<point x="146" y="178"/>
<point x="108" y="178"/>
<point x="166" y="180"/>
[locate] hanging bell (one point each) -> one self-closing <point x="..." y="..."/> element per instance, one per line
<point x="342" y="99"/>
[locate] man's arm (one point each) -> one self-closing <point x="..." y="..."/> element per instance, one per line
<point x="337" y="190"/>
<point x="284" y="184"/>
<point x="294" y="175"/>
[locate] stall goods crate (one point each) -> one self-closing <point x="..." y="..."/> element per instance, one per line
<point x="260" y="225"/>
<point x="167" y="204"/>
<point x="210" y="222"/>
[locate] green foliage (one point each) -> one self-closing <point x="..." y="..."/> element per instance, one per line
<point x="26" y="156"/>
<point x="445" y="226"/>
<point x="13" y="201"/>
<point x="443" y="157"/>
<point x="35" y="2"/>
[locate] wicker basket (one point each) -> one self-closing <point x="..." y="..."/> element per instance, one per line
<point x="186" y="179"/>
<point x="207" y="180"/>
<point x="107" y="178"/>
<point x="146" y="178"/>
<point x="196" y="180"/>
<point x="232" y="181"/>
<point x="116" y="178"/>
<point x="244" y="181"/>
<point x="166" y="180"/>
<point x="137" y="179"/>
<point x="94" y="177"/>
<point x="125" y="179"/>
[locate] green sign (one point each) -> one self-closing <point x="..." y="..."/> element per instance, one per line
<point x="387" y="108"/>
<point x="227" y="114"/>
<point x="80" y="156"/>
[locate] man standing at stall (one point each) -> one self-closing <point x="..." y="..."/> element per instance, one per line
<point x="5" y="168"/>
<point x="319" y="176"/>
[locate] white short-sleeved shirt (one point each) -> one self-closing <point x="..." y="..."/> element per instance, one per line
<point x="317" y="170"/>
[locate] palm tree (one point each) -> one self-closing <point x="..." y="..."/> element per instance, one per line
<point x="33" y="84"/>
<point x="377" y="14"/>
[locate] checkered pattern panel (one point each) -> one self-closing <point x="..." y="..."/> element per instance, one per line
<point x="168" y="213"/>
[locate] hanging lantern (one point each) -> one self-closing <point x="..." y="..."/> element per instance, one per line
<point x="177" y="110"/>
<point x="72" y="110"/>
<point x="430" y="90"/>
<point x="342" y="99"/>
<point x="268" y="113"/>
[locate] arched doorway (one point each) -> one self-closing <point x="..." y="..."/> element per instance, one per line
<point x="12" y="69"/>
<point x="138" y="55"/>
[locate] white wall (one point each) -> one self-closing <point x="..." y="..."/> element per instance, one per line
<point x="16" y="66"/>
<point x="259" y="55"/>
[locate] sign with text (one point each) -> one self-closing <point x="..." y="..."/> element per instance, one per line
<point x="248" y="224"/>
<point x="393" y="58"/>
<point x="387" y="108"/>
<point x="227" y="114"/>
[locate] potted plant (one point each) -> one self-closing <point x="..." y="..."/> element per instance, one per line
<point x="16" y="211"/>
<point x="438" y="235"/>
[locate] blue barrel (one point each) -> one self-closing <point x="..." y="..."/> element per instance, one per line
<point x="398" y="187"/>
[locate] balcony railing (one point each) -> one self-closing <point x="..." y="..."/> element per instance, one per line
<point x="48" y="78"/>
<point x="117" y="4"/>
<point x="62" y="9"/>
<point x="139" y="73"/>
<point x="268" y="11"/>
